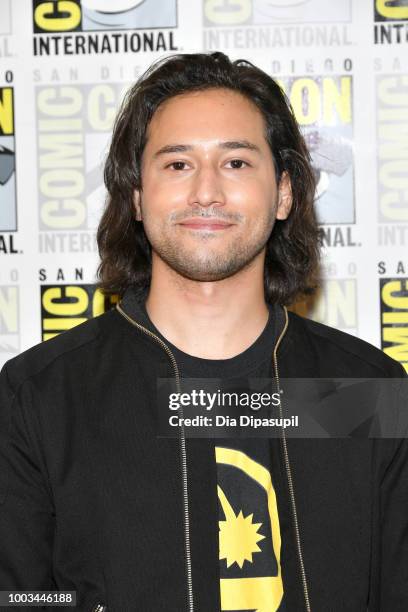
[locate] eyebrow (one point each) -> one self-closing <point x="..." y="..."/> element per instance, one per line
<point x="230" y="145"/>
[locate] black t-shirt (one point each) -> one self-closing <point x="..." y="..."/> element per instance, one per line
<point x="249" y="526"/>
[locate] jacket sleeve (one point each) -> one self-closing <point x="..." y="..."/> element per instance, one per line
<point x="393" y="520"/>
<point x="394" y="533"/>
<point x="27" y="518"/>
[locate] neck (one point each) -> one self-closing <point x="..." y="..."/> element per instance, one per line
<point x="210" y="320"/>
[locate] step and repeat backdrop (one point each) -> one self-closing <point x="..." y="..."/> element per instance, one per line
<point x="64" y="67"/>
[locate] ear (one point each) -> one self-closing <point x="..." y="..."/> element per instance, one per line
<point x="284" y="197"/>
<point x="136" y="204"/>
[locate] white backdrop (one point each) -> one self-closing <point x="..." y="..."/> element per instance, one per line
<point x="63" y="69"/>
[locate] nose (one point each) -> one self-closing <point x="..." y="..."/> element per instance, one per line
<point x="206" y="188"/>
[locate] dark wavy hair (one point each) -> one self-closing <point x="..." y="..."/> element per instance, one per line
<point x="292" y="251"/>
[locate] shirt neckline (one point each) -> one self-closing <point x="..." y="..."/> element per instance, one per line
<point x="246" y="361"/>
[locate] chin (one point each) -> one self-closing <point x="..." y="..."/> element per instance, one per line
<point x="204" y="274"/>
<point x="205" y="277"/>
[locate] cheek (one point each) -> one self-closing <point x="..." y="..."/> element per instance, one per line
<point x="254" y="199"/>
<point x="250" y="186"/>
<point x="163" y="196"/>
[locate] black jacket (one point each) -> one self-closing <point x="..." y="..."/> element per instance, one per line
<point x="92" y="500"/>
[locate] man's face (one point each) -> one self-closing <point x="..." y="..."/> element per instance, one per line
<point x="207" y="160"/>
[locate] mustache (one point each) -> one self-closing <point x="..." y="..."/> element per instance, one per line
<point x="205" y="214"/>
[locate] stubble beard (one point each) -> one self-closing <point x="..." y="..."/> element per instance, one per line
<point x="207" y="263"/>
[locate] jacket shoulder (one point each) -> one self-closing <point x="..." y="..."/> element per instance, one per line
<point x="361" y="357"/>
<point x="37" y="358"/>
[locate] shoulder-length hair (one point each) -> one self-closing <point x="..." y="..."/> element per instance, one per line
<point x="292" y="251"/>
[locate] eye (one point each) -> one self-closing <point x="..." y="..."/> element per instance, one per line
<point x="237" y="164"/>
<point x="177" y="165"/>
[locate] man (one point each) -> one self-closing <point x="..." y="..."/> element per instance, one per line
<point x="208" y="233"/>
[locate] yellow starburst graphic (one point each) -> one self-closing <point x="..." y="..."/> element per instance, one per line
<point x="238" y="534"/>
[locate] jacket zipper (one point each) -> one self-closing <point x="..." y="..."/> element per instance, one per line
<point x="183" y="457"/>
<point x="289" y="474"/>
<point x="184" y="467"/>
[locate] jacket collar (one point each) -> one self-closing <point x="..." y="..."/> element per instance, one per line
<point x="132" y="303"/>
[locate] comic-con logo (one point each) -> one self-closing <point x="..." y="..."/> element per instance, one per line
<point x="73" y="128"/>
<point x="323" y="108"/>
<point x="390" y="25"/>
<point x="8" y="211"/>
<point x="390" y="10"/>
<point x="65" y="306"/>
<point x="9" y="322"/>
<point x="334" y="304"/>
<point x="93" y="15"/>
<point x="394" y="318"/>
<point x="392" y="150"/>
<point x="258" y="12"/>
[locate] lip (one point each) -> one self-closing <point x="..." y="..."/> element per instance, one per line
<point x="212" y="224"/>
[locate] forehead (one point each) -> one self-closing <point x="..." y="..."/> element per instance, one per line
<point x="210" y="114"/>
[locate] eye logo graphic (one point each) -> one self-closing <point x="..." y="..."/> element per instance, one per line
<point x="107" y="15"/>
<point x="257" y="12"/>
<point x="286" y="3"/>
<point x="6" y="164"/>
<point x="249" y="550"/>
<point x="8" y="214"/>
<point x="106" y="6"/>
<point x="96" y="15"/>
<point x="280" y="10"/>
<point x="301" y="11"/>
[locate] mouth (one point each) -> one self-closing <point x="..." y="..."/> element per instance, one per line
<point x="206" y="224"/>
